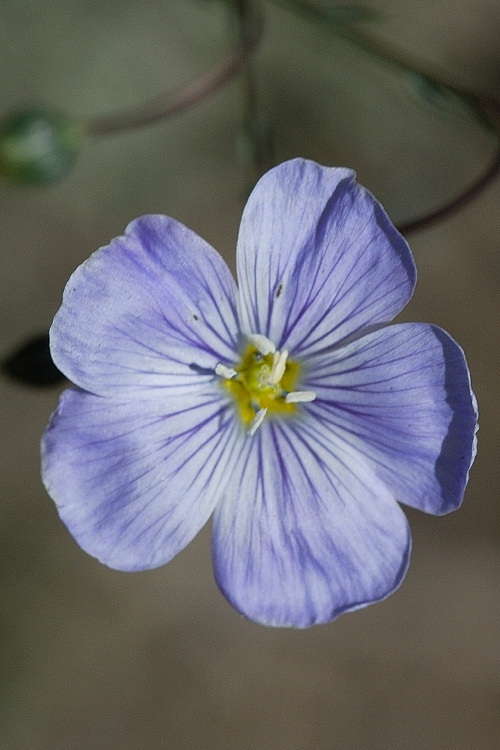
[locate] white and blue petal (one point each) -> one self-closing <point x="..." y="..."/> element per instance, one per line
<point x="401" y="397"/>
<point x="307" y="522"/>
<point x="306" y="530"/>
<point x="318" y="259"/>
<point x="155" y="309"/>
<point x="134" y="481"/>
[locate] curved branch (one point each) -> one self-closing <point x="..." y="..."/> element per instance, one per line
<point x="455" y="204"/>
<point x="481" y="103"/>
<point x="171" y="103"/>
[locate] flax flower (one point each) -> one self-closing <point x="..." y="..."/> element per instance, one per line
<point x="284" y="406"/>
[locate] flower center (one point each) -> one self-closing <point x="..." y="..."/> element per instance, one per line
<point x="263" y="382"/>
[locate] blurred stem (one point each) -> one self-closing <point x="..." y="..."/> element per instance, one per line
<point x="456" y="204"/>
<point x="256" y="133"/>
<point x="382" y="50"/>
<point x="172" y="102"/>
<point x="485" y="107"/>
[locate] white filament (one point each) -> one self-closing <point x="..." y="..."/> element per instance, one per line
<point x="279" y="366"/>
<point x="296" y="397"/>
<point x="262" y="343"/>
<point x="257" y="421"/>
<point x="225" y="372"/>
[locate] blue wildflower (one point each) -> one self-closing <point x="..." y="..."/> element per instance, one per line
<point x="285" y="407"/>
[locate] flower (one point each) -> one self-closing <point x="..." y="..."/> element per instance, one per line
<point x="287" y="408"/>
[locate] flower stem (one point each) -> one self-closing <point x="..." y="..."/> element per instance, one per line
<point x="172" y="102"/>
<point x="256" y="138"/>
<point x="485" y="107"/>
<point x="455" y="204"/>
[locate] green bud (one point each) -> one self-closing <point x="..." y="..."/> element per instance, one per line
<point x="38" y="146"/>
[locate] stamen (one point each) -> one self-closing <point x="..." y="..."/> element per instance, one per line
<point x="279" y="366"/>
<point x="296" y="397"/>
<point x="257" y="421"/>
<point x="225" y="372"/>
<point x="263" y="382"/>
<point x="262" y="343"/>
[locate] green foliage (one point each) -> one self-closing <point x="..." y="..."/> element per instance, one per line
<point x="334" y="16"/>
<point x="38" y="146"/>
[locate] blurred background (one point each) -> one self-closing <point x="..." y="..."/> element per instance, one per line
<point x="93" y="659"/>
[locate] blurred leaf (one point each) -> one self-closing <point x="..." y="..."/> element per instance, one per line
<point x="334" y="16"/>
<point x="432" y="93"/>
<point x="342" y="15"/>
<point x="32" y="364"/>
<point x="443" y="99"/>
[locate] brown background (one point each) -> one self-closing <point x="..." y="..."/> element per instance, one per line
<point x="94" y="659"/>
